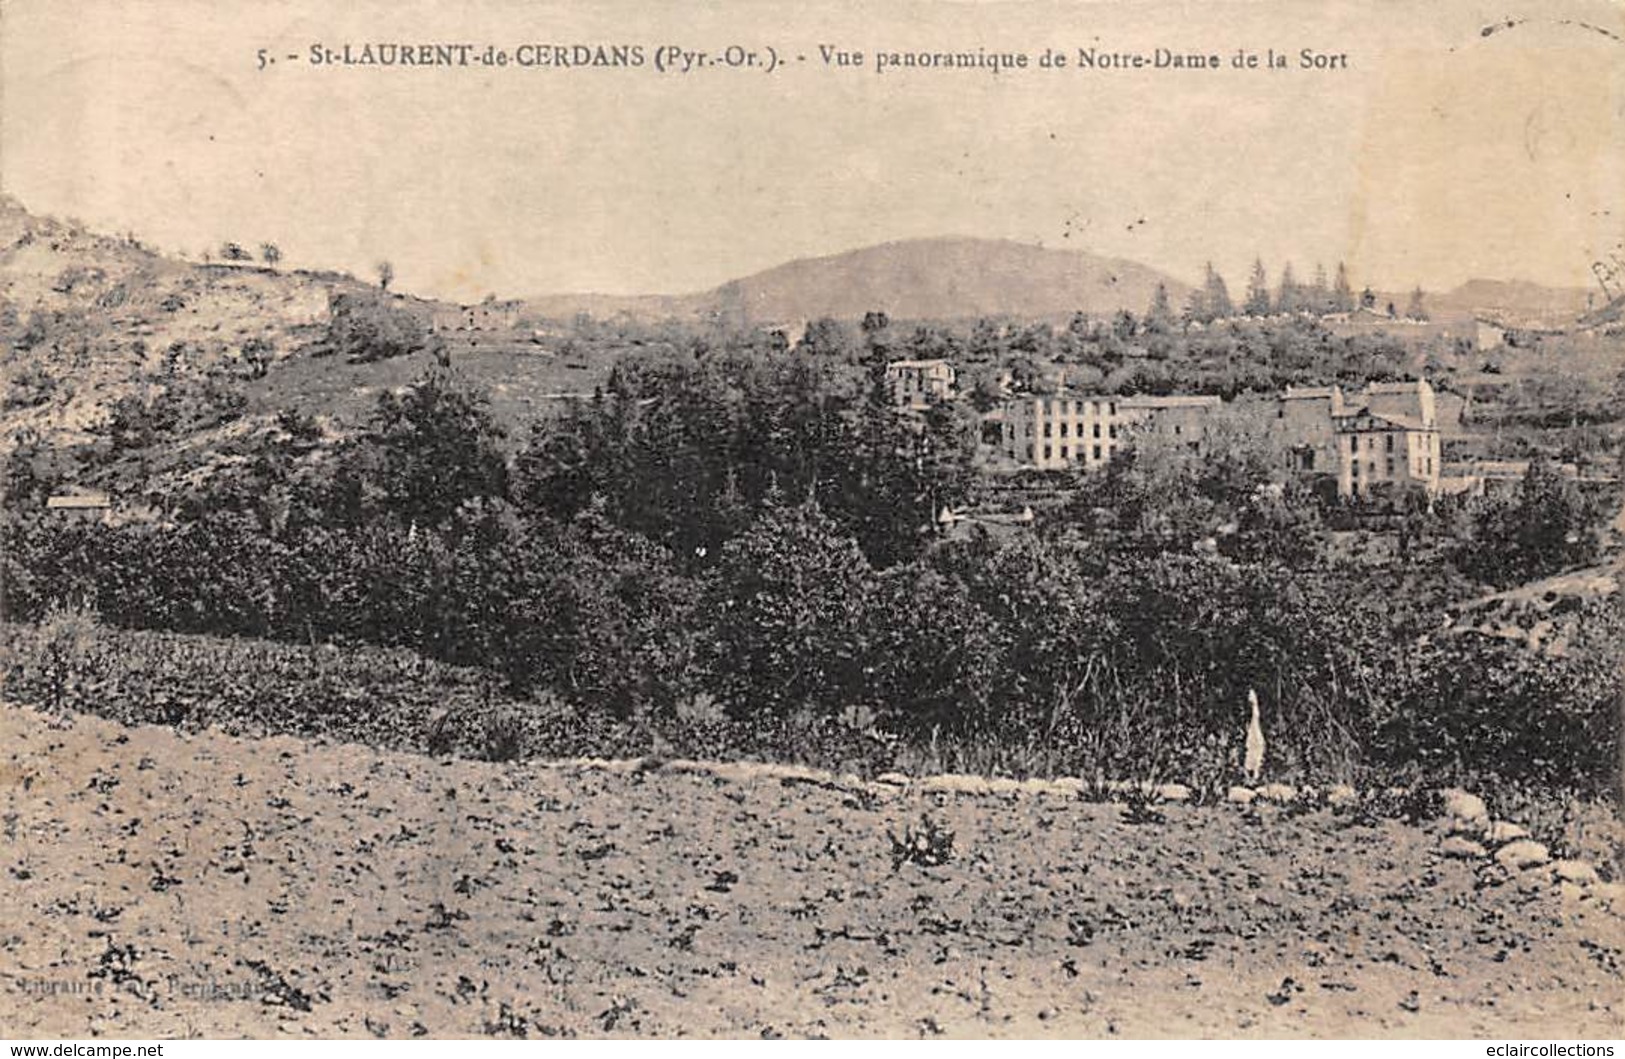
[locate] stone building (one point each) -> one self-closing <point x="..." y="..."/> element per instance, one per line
<point x="918" y="384"/>
<point x="1305" y="430"/>
<point x="1389" y="439"/>
<point x="1066" y="430"/>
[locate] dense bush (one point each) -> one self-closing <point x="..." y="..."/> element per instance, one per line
<point x="1483" y="706"/>
<point x="1547" y="526"/>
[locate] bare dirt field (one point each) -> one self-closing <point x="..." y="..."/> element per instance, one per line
<point x="162" y="885"/>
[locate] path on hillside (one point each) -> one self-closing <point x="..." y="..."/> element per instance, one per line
<point x="162" y="885"/>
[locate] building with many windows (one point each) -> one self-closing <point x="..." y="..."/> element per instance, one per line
<point x="1066" y="430"/>
<point x="1384" y="436"/>
<point x="1389" y="440"/>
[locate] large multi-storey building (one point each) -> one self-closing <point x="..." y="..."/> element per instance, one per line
<point x="1385" y="433"/>
<point x="1060" y="431"/>
<point x="1390" y="439"/>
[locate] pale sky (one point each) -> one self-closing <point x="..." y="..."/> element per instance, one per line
<point x="1441" y="154"/>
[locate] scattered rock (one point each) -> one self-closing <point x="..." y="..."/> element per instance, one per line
<point x="1461" y="848"/>
<point x="1173" y="792"/>
<point x="1280" y="793"/>
<point x="1240" y="796"/>
<point x="958" y="784"/>
<point x="1522" y="854"/>
<point x="1611" y="895"/>
<point x="1342" y="795"/>
<point x="1502" y="831"/>
<point x="1576" y="871"/>
<point x="1465" y="811"/>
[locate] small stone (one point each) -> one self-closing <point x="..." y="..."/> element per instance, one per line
<point x="1576" y="871"/>
<point x="1462" y="848"/>
<point x="893" y="779"/>
<point x="1280" y="793"/>
<point x="1465" y="808"/>
<point x="1503" y="831"/>
<point x="1173" y="792"/>
<point x="1522" y="854"/>
<point x="1342" y="795"/>
<point x="1611" y="895"/>
<point x="1240" y="796"/>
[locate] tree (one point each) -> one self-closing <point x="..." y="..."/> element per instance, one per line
<point x="826" y="337"/>
<point x="876" y="329"/>
<point x="1414" y="309"/>
<point x="1289" y="298"/>
<point x="787" y="606"/>
<point x="436" y="446"/>
<point x="1258" y="291"/>
<point x="366" y="326"/>
<point x="1549" y="526"/>
<point x="234" y="252"/>
<point x="1319" y="297"/>
<point x="1217" y="296"/>
<point x="1196" y="310"/>
<point x="258" y="353"/>
<point x="1342" y="293"/>
<point x="1159" y="317"/>
<point x="386" y="274"/>
<point x="270" y="253"/>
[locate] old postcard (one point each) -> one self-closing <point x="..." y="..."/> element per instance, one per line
<point x="858" y="520"/>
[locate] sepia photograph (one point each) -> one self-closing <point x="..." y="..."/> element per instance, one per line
<point x="938" y="519"/>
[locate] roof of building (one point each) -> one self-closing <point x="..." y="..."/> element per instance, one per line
<point x="937" y="362"/>
<point x="1389" y="422"/>
<point x="1293" y="393"/>
<point x="1172" y="401"/>
<point x="78" y="501"/>
<point x="1410" y="386"/>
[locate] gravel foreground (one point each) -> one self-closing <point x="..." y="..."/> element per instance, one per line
<point x="162" y="885"/>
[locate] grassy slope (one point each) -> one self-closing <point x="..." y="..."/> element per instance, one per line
<point x="111" y="327"/>
<point x="399" y="896"/>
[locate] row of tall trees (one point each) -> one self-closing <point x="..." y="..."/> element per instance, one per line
<point x="1318" y="297"/>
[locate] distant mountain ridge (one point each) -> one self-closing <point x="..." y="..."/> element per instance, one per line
<point x="954" y="277"/>
<point x="1514" y="301"/>
<point x="939" y="278"/>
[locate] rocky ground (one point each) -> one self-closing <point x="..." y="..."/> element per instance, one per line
<point x="163" y="885"/>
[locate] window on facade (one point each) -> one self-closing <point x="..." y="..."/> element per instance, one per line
<point x="1063" y="429"/>
<point x="1111" y="431"/>
<point x="1097" y="430"/>
<point x="1390" y="439"/>
<point x="1111" y="408"/>
<point x="1097" y="452"/>
<point x="1029" y="451"/>
<point x="1047" y="428"/>
<point x="1178" y="429"/>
